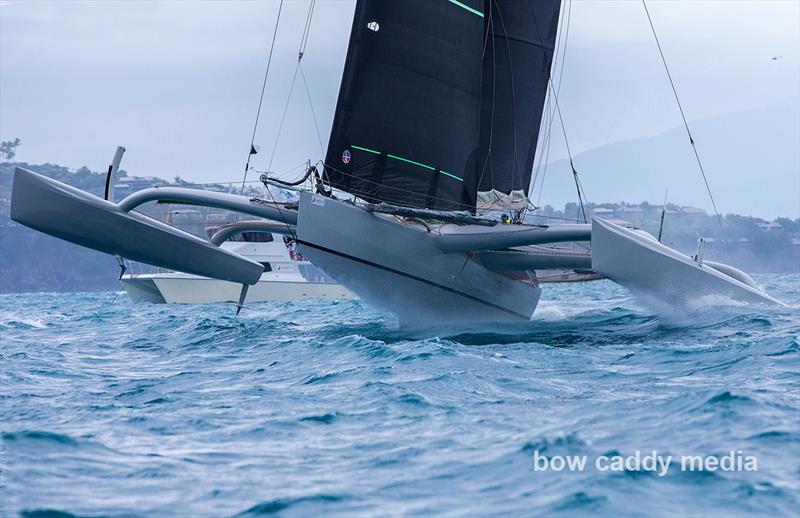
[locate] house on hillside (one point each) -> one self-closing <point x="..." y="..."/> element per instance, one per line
<point x="129" y="184"/>
<point x="770" y="225"/>
<point x="620" y="222"/>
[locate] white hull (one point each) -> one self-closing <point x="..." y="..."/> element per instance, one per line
<point x="176" y="288"/>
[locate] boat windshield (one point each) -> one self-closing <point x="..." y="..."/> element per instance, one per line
<point x="253" y="237"/>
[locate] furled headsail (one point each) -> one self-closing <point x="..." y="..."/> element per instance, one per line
<point x="520" y="43"/>
<point x="441" y="99"/>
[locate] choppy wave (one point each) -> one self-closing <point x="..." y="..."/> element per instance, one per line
<point x="309" y="408"/>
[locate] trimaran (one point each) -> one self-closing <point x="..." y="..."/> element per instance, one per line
<point x="436" y="125"/>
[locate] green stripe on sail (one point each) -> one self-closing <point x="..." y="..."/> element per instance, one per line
<point x="451" y="175"/>
<point x="411" y="162"/>
<point x="468" y="8"/>
<point x="368" y="150"/>
<point x="419" y="164"/>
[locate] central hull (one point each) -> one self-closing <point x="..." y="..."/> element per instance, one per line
<point x="399" y="268"/>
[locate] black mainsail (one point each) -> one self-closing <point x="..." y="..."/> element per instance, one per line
<point x="441" y="99"/>
<point x="406" y="127"/>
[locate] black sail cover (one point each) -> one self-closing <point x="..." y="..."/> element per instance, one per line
<point x="441" y="99"/>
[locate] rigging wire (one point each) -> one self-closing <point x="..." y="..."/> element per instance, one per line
<point x="578" y="187"/>
<point x="230" y="183"/>
<point x="301" y="50"/>
<point x="547" y="122"/>
<point x="546" y="157"/>
<point x="307" y="28"/>
<point x="313" y="113"/>
<point x="300" y="53"/>
<point x="565" y="25"/>
<point x="261" y="98"/>
<point x="569" y="152"/>
<point x="688" y="131"/>
<point x="554" y="106"/>
<point x="542" y="144"/>
<point x="283" y="117"/>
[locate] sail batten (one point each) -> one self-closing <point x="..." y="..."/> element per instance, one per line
<point x="465" y="6"/>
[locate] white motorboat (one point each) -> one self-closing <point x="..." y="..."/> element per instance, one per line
<point x="287" y="276"/>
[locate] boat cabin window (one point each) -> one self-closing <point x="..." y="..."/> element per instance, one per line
<point x="267" y="267"/>
<point x="253" y="237"/>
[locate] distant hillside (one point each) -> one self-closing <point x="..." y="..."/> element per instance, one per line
<point x="756" y="245"/>
<point x="745" y="154"/>
<point x="31" y="261"/>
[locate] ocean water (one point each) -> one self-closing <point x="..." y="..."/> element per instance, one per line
<point x="111" y="408"/>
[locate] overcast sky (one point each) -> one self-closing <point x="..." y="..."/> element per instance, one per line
<point x="177" y="82"/>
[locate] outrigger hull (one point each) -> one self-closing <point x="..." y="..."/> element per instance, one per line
<point x="639" y="262"/>
<point x="76" y="216"/>
<point x="403" y="270"/>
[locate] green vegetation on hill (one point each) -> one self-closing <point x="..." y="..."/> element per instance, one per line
<point x="756" y="245"/>
<point x="31" y="261"/>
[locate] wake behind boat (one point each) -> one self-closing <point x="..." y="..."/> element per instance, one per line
<point x="434" y="136"/>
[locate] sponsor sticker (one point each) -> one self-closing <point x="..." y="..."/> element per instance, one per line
<point x="316" y="199"/>
<point x="346" y="156"/>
